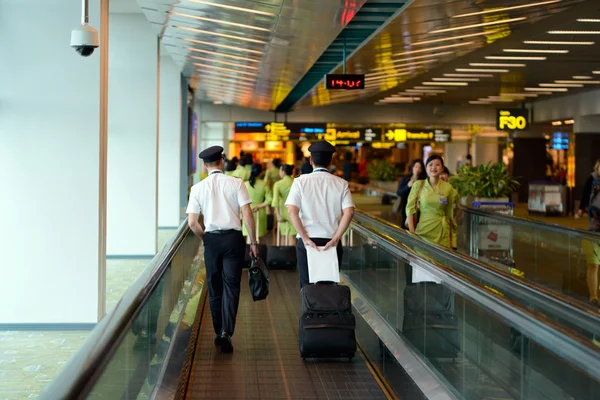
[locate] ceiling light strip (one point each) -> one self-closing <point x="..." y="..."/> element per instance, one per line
<point x="596" y="20"/>
<point x="456" y="79"/>
<point x="225" y="62"/>
<point x="574" y="32"/>
<point x="223" y="35"/>
<point x="502" y="65"/>
<point x="502" y="9"/>
<point x="470" y="75"/>
<point x="218" y="21"/>
<point x="446" y="83"/>
<point x="227" y="80"/>
<point x="408" y="60"/>
<point x="502" y="21"/>
<point x="550" y="85"/>
<point x="223" y="46"/>
<point x="224" y="69"/>
<point x="528" y="89"/>
<point x="558" y="43"/>
<point x="516" y="58"/>
<point x="499" y="71"/>
<point x="224" y="73"/>
<point x="535" y="51"/>
<point x="449" y="46"/>
<point x="445" y="39"/>
<point x="248" y="10"/>
<point x="223" y="55"/>
<point x="401" y="67"/>
<point x="578" y="82"/>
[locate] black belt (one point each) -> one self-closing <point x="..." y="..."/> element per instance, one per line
<point x="225" y="232"/>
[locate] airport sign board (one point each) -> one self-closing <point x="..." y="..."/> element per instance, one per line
<point x="512" y="119"/>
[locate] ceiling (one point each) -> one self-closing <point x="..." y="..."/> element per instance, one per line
<point x="431" y="47"/>
<point x="272" y="54"/>
<point x="250" y="53"/>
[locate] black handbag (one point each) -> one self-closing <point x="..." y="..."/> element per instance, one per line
<point x="258" y="279"/>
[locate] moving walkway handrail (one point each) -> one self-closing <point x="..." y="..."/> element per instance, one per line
<point x="558" y="304"/>
<point x="569" y="346"/>
<point x="87" y="364"/>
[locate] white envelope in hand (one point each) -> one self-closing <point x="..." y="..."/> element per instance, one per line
<point x="323" y="265"/>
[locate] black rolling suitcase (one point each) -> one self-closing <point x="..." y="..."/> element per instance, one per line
<point x="430" y="322"/>
<point x="281" y="257"/>
<point x="326" y="328"/>
<point x="262" y="248"/>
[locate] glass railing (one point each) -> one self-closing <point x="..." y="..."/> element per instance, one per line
<point x="570" y="314"/>
<point x="454" y="337"/>
<point x="138" y="351"/>
<point x="550" y="255"/>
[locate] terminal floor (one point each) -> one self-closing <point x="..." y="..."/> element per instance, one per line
<point x="29" y="360"/>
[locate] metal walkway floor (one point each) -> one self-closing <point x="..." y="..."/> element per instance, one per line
<point x="266" y="363"/>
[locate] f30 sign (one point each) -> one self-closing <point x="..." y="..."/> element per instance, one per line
<point x="344" y="81"/>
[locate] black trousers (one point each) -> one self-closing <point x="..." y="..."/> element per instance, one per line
<point x="302" y="260"/>
<point x="224" y="260"/>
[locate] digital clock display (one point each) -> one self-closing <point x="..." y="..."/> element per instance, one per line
<point x="348" y="82"/>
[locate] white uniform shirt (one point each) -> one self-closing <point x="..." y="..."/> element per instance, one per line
<point x="219" y="198"/>
<point x="321" y="197"/>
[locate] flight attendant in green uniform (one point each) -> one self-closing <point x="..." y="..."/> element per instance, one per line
<point x="435" y="199"/>
<point x="244" y="167"/>
<point x="281" y="190"/>
<point x="261" y="197"/>
<point x="273" y="173"/>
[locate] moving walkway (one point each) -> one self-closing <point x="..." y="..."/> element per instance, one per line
<point x="513" y="340"/>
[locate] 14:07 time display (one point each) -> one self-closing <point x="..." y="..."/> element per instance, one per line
<point x="348" y="81"/>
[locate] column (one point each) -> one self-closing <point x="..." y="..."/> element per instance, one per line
<point x="132" y="153"/>
<point x="169" y="154"/>
<point x="52" y="267"/>
<point x="453" y="152"/>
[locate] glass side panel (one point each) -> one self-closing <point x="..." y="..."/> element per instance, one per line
<point x="476" y="354"/>
<point x="589" y="326"/>
<point x="555" y="259"/>
<point x="136" y="369"/>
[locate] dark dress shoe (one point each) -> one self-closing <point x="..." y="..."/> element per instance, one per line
<point x="226" y="346"/>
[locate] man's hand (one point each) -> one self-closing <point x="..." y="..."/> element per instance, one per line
<point x="309" y="243"/>
<point x="332" y="243"/>
<point x="253" y="251"/>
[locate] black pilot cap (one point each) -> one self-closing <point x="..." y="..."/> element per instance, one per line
<point x="212" y="154"/>
<point x="321" y="147"/>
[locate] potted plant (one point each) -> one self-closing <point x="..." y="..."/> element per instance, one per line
<point x="484" y="183"/>
<point x="383" y="175"/>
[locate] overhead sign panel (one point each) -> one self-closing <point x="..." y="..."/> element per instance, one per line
<point x="401" y="135"/>
<point x="349" y="135"/>
<point x="345" y="81"/>
<point x="512" y="119"/>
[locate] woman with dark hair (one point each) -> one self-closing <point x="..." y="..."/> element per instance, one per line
<point x="261" y="198"/>
<point x="590" y="204"/>
<point x="416" y="172"/>
<point x="281" y="190"/>
<point x="434" y="200"/>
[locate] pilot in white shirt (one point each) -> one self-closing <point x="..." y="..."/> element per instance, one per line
<point x="220" y="199"/>
<point x="320" y="206"/>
